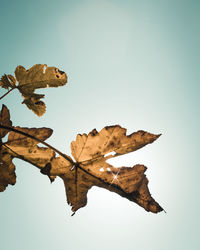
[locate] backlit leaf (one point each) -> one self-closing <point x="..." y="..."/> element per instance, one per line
<point x="91" y="168"/>
<point x="38" y="76"/>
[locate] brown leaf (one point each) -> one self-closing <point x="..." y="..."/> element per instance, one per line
<point x="15" y="139"/>
<point x="109" y="139"/>
<point x="25" y="148"/>
<point x="38" y="156"/>
<point x="34" y="103"/>
<point x="7" y="81"/>
<point x="38" y="76"/>
<point x="4" y="120"/>
<point x="91" y="168"/>
<point x="7" y="170"/>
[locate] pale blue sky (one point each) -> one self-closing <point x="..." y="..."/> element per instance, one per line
<point x="133" y="63"/>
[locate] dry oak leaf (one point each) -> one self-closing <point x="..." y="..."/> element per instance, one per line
<point x="38" y="76"/>
<point x="91" y="169"/>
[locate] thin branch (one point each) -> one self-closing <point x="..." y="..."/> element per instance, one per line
<point x="34" y="138"/>
<point x="6" y="93"/>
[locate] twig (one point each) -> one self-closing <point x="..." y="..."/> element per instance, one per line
<point x="6" y="93"/>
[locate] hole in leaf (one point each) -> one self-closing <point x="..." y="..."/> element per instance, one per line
<point x="44" y="69"/>
<point x="110" y="153"/>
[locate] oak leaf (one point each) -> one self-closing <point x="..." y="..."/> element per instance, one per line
<point x="91" y="169"/>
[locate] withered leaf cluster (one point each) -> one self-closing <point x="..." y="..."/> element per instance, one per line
<point x="27" y="81"/>
<point x="89" y="167"/>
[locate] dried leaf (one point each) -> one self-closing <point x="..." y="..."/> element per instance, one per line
<point x="4" y="120"/>
<point x="91" y="168"/>
<point x="109" y="139"/>
<point x="38" y="76"/>
<point x="24" y="147"/>
<point x="38" y="156"/>
<point x="7" y="81"/>
<point x="34" y="103"/>
<point x="7" y="170"/>
<point x="16" y="139"/>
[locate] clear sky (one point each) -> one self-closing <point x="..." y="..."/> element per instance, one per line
<point x="133" y="63"/>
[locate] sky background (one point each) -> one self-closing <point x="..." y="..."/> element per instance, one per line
<point x="133" y="63"/>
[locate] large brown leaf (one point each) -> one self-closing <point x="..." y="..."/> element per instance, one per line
<point x="91" y="168"/>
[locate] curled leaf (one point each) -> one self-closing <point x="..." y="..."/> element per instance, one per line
<point x="7" y="81"/>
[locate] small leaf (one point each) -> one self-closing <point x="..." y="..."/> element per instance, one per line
<point x="34" y="103"/>
<point x="38" y="76"/>
<point x="7" y="81"/>
<point x="4" y="120"/>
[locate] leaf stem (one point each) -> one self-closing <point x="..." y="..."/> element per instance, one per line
<point x="34" y="138"/>
<point x="6" y="93"/>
